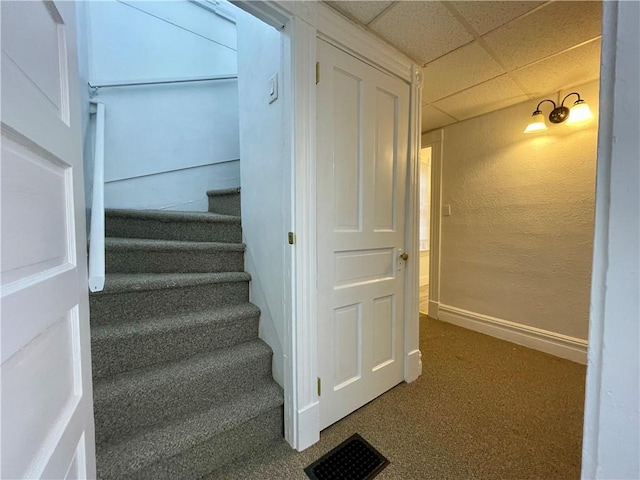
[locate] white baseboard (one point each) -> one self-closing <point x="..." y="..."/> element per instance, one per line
<point x="413" y="367"/>
<point x="564" y="346"/>
<point x="434" y="309"/>
<point x="308" y="426"/>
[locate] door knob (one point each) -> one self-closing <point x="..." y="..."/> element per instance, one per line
<point x="404" y="256"/>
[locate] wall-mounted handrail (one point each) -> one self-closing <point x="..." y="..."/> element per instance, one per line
<point x="96" y="235"/>
<point x="165" y="81"/>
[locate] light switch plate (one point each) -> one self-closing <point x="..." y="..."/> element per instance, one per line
<point x="446" y="210"/>
<point x="273" y="88"/>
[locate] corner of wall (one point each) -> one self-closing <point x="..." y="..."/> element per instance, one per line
<point x="268" y="331"/>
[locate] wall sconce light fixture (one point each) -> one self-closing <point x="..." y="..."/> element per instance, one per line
<point x="579" y="112"/>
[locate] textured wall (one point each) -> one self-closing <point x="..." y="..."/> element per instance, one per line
<point x="518" y="243"/>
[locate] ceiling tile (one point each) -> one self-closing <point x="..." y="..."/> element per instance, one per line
<point x="551" y="29"/>
<point x="573" y="67"/>
<point x="493" y="95"/>
<point x="433" y="118"/>
<point x="460" y="69"/>
<point x="487" y="16"/>
<point x="423" y="30"/>
<point x="363" y="12"/>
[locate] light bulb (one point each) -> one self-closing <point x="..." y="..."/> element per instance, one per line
<point x="579" y="112"/>
<point x="537" y="123"/>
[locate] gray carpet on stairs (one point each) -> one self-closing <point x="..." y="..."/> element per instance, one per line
<point x="226" y="202"/>
<point x="136" y="255"/>
<point x="182" y="384"/>
<point x="168" y="225"/>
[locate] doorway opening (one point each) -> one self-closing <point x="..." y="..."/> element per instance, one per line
<point x="425" y="226"/>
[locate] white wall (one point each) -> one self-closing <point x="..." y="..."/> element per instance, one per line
<point x="265" y="180"/>
<point x="424" y="267"/>
<point x="517" y="245"/>
<point x="155" y="39"/>
<point x="153" y="130"/>
<point x="82" y="32"/>
<point x="611" y="443"/>
<point x="183" y="189"/>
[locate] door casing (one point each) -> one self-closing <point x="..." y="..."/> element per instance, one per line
<point x="302" y="23"/>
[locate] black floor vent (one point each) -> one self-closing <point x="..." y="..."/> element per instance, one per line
<point x="353" y="459"/>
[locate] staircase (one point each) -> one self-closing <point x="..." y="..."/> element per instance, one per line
<point x="182" y="384"/>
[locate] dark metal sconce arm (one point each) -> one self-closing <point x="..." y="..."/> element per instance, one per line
<point x="568" y="95"/>
<point x="551" y="101"/>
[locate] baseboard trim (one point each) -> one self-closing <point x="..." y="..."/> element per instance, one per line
<point x="308" y="426"/>
<point x="434" y="309"/>
<point x="413" y="367"/>
<point x="564" y="346"/>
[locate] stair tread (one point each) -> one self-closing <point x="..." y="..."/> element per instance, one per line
<point x="223" y="191"/>
<point x="173" y="216"/>
<point x="167" y="441"/>
<point x="174" y="322"/>
<point x="154" y="376"/>
<point x="150" y="244"/>
<point x="123" y="282"/>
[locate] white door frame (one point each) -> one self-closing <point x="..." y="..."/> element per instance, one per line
<point x="611" y="437"/>
<point x="304" y="22"/>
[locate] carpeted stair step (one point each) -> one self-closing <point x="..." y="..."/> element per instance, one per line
<point x="130" y="297"/>
<point x="197" y="445"/>
<point x="121" y="347"/>
<point x="130" y="402"/>
<point x="173" y="225"/>
<point x="225" y="202"/>
<point x="136" y="255"/>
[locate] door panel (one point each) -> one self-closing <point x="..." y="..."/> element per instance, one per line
<point x="363" y="116"/>
<point x="47" y="415"/>
<point x="346" y="174"/>
<point x="385" y="162"/>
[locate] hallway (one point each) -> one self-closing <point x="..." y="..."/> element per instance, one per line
<point x="424" y="299"/>
<point x="483" y="408"/>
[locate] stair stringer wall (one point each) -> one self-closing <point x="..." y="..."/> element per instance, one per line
<point x="265" y="182"/>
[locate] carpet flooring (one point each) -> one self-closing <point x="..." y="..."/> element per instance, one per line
<point x="482" y="409"/>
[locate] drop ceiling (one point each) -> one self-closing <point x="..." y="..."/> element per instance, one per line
<point x="481" y="56"/>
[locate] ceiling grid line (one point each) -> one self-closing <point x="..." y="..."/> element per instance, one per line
<point x="478" y="38"/>
<point x="389" y="7"/>
<point x="557" y="54"/>
<point x="483" y="56"/>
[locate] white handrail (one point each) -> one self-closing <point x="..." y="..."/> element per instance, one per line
<point x="164" y="81"/>
<point x="96" y="235"/>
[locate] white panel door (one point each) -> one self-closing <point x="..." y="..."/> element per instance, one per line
<point x="363" y="136"/>
<point x="47" y="410"/>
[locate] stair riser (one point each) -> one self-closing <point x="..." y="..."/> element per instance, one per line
<point x="225" y="204"/>
<point x="133" y="306"/>
<point x="112" y="356"/>
<point x="207" y="458"/>
<point x="194" y="261"/>
<point x="119" y="416"/>
<point x="187" y="231"/>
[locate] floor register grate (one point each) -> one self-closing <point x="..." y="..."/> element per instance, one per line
<point x="353" y="459"/>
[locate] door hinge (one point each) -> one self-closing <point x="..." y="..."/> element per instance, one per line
<point x="319" y="386"/>
<point x="292" y="238"/>
<point x="317" y="73"/>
